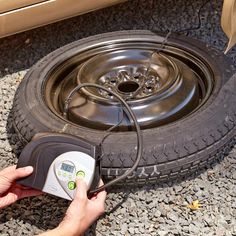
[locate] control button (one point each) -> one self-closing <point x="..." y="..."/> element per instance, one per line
<point x="80" y="173"/>
<point x="71" y="185"/>
<point x="59" y="172"/>
<point x="64" y="174"/>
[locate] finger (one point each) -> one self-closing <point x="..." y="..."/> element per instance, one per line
<point x="101" y="183"/>
<point x="94" y="197"/>
<point x="30" y="193"/>
<point x="8" y="169"/>
<point x="7" y="200"/>
<point x="81" y="189"/>
<point x="101" y="196"/>
<point x="17" y="194"/>
<point x="19" y="173"/>
<point x="24" y="188"/>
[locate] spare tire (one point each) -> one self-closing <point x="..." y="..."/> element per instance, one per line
<point x="184" y="99"/>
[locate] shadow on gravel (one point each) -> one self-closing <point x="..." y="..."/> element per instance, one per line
<point x="44" y="212"/>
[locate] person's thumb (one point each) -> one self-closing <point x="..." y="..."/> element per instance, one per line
<point x="81" y="190"/>
<point x="20" y="173"/>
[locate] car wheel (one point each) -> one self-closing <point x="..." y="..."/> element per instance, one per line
<point x="184" y="100"/>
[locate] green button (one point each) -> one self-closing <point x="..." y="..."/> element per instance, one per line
<point x="64" y="174"/>
<point x="80" y="173"/>
<point x="71" y="185"/>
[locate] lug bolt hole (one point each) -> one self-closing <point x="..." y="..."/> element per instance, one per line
<point x="149" y="87"/>
<point x="113" y="80"/>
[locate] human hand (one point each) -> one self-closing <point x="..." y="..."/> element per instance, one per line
<point x="10" y="192"/>
<point x="82" y="211"/>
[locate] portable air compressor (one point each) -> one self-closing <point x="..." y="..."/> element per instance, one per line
<point x="57" y="159"/>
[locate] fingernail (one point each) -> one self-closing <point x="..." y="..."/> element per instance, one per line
<point x="28" y="169"/>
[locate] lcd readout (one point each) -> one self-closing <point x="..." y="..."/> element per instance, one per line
<point x="67" y="167"/>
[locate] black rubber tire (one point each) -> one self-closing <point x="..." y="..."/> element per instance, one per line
<point x="170" y="151"/>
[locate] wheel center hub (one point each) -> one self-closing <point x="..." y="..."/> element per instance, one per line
<point x="128" y="87"/>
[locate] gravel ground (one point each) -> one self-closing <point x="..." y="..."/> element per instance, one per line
<point x="152" y="210"/>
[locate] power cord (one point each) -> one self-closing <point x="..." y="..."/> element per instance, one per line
<point x="199" y="25"/>
<point x="130" y="113"/>
<point x="163" y="43"/>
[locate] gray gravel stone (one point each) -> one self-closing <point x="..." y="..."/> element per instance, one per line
<point x="178" y="188"/>
<point x="157" y="213"/>
<point x="172" y="216"/>
<point x="163" y="233"/>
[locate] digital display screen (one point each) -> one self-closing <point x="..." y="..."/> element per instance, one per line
<point x="67" y="167"/>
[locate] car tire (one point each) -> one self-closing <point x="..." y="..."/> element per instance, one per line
<point x="171" y="151"/>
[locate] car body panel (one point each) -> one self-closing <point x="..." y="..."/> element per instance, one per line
<point x="23" y="16"/>
<point x="10" y="5"/>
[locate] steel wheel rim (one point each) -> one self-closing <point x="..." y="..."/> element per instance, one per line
<point x="69" y="73"/>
